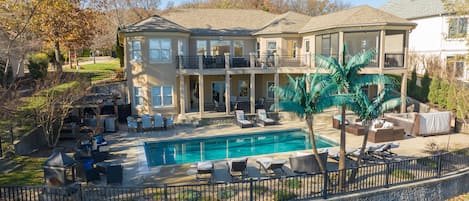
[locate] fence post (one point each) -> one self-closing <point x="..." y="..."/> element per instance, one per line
<point x="438" y="170"/>
<point x="324" y="186"/>
<point x="165" y="192"/>
<point x="388" y="173"/>
<point x="251" y="188"/>
<point x="80" y="188"/>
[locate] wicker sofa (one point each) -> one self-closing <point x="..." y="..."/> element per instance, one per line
<point x="386" y="134"/>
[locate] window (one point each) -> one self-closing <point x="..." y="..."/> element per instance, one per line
<point x="307" y="46"/>
<point x="358" y="42"/>
<point x="138" y="96"/>
<point x="160" y="50"/>
<point x="238" y="48"/>
<point x="291" y="48"/>
<point x="220" y="47"/>
<point x="394" y="48"/>
<point x="243" y="87"/>
<point x="327" y="45"/>
<point x="135" y="51"/>
<point x="271" y="48"/>
<point x="181" y="47"/>
<point x="162" y="96"/>
<point x="258" y="49"/>
<point x="455" y="66"/>
<point x="201" y="47"/>
<point x="457" y="28"/>
<point x="270" y="89"/>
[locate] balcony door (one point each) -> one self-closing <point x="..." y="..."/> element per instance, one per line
<point x="218" y="92"/>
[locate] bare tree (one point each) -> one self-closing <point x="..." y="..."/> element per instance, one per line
<point x="55" y="105"/>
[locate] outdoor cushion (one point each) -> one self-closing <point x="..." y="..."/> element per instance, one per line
<point x="205" y="165"/>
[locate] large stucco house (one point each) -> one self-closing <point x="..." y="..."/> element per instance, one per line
<point x="437" y="34"/>
<point x="200" y="60"/>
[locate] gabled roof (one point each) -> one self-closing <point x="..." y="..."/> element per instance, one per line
<point x="289" y="22"/>
<point x="155" y="23"/>
<point x="59" y="159"/>
<point x="411" y="9"/>
<point x="220" y="21"/>
<point x="353" y="17"/>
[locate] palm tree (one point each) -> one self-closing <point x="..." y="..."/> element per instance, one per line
<point x="304" y="96"/>
<point x="346" y="76"/>
<point x="368" y="110"/>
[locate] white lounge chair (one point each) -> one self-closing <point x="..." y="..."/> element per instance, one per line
<point x="170" y="122"/>
<point x="263" y="119"/>
<point x="240" y="119"/>
<point x="204" y="167"/>
<point x="146" y="122"/>
<point x="132" y="124"/>
<point x="237" y="165"/>
<point x="158" y="121"/>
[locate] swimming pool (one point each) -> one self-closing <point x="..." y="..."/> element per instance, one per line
<point x="233" y="146"/>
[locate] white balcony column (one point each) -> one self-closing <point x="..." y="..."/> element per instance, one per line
<point x="227" y="60"/>
<point x="252" y="59"/>
<point x="312" y="51"/>
<point x="276" y="60"/>
<point x="341" y="47"/>
<point x="404" y="92"/>
<point x="182" y="95"/>
<point x="227" y="93"/>
<point x="180" y="65"/>
<point x="201" y="94"/>
<point x="276" y="99"/>
<point x="201" y="61"/>
<point x="381" y="58"/>
<point x="252" y="94"/>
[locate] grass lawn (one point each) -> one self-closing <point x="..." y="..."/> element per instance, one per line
<point x="98" y="71"/>
<point x="30" y="173"/>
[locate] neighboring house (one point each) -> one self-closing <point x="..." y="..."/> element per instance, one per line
<point x="437" y="34"/>
<point x="16" y="56"/>
<point x="188" y="59"/>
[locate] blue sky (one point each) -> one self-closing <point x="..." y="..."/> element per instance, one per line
<point x="373" y="3"/>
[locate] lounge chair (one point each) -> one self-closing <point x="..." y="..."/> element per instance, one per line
<point x="306" y="162"/>
<point x="383" y="151"/>
<point x="158" y="121"/>
<point x="237" y="165"/>
<point x="132" y="124"/>
<point x="335" y="154"/>
<point x="146" y="122"/>
<point x="240" y="119"/>
<point x="205" y="167"/>
<point x="263" y="119"/>
<point x="169" y="123"/>
<point x="270" y="165"/>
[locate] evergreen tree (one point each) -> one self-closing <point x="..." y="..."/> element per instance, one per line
<point x="442" y="96"/>
<point x="412" y="87"/>
<point x="425" y="86"/>
<point x="434" y="88"/>
<point x="119" y="49"/>
<point x="452" y="96"/>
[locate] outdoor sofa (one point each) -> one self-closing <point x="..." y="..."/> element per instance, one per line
<point x="306" y="162"/>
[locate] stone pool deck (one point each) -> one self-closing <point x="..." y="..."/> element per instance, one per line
<point x="127" y="150"/>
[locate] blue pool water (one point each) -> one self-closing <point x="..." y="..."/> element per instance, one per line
<point x="217" y="148"/>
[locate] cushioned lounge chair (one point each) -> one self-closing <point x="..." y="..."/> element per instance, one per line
<point x="158" y="121"/>
<point x="237" y="165"/>
<point x="241" y="120"/>
<point x="263" y="119"/>
<point x="169" y="123"/>
<point x="205" y="167"/>
<point x="307" y="163"/>
<point x="270" y="165"/>
<point x="383" y="151"/>
<point x="132" y="124"/>
<point x="146" y="122"/>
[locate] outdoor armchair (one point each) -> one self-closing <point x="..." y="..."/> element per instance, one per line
<point x="240" y="119"/>
<point x="263" y="119"/>
<point x="158" y="121"/>
<point x="146" y="122"/>
<point x="132" y="124"/>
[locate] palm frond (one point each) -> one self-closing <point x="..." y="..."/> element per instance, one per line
<point x="390" y="104"/>
<point x="366" y="80"/>
<point x="330" y="64"/>
<point x="358" y="61"/>
<point x="325" y="102"/>
<point x="291" y="106"/>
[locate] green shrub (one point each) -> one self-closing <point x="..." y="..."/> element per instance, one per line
<point x="403" y="174"/>
<point x="412" y="86"/>
<point x="38" y="65"/>
<point x="425" y="86"/>
<point x="226" y="193"/>
<point x="259" y="189"/>
<point x="293" y="183"/>
<point x="283" y="195"/>
<point x="188" y="195"/>
<point x="434" y="90"/>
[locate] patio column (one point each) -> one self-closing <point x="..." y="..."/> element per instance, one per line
<point x="312" y="50"/>
<point x="227" y="93"/>
<point x="381" y="58"/>
<point x="341" y="47"/>
<point x="227" y="60"/>
<point x="182" y="95"/>
<point x="252" y="99"/>
<point x="252" y="59"/>
<point x="404" y="76"/>
<point x="201" y="94"/>
<point x="276" y="83"/>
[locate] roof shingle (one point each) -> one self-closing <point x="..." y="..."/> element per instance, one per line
<point x="411" y="9"/>
<point x="289" y="22"/>
<point x="357" y="16"/>
<point x="155" y="23"/>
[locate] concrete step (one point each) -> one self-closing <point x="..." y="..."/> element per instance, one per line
<point x="7" y="165"/>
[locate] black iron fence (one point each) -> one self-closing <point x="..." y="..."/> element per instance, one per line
<point x="311" y="186"/>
